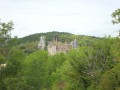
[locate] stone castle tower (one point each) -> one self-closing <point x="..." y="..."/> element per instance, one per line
<point x="41" y="44"/>
<point x="75" y="43"/>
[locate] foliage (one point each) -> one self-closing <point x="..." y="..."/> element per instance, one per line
<point x="14" y="65"/>
<point x="5" y="29"/>
<point x="35" y="72"/>
<point x="60" y="36"/>
<point x="116" y="16"/>
<point x="112" y="77"/>
<point x="89" y="67"/>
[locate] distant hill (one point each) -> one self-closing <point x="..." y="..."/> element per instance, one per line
<point x="29" y="43"/>
<point x="48" y="36"/>
<point x="61" y="36"/>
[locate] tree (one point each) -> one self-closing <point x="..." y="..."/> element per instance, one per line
<point x="35" y="72"/>
<point x="111" y="79"/>
<point x="5" y="29"/>
<point x="9" y="74"/>
<point x="116" y="16"/>
<point x="116" y="20"/>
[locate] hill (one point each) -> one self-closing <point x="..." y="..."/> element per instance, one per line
<point x="29" y="43"/>
<point x="61" y="36"/>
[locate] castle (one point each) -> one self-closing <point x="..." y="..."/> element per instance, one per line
<point x="54" y="46"/>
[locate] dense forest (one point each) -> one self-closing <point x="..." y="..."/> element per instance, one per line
<point x="94" y="65"/>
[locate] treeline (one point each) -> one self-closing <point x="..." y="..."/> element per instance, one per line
<point x="60" y="36"/>
<point x="94" y="67"/>
<point x="48" y="36"/>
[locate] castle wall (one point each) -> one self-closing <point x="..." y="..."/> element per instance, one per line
<point x="56" y="47"/>
<point x="52" y="50"/>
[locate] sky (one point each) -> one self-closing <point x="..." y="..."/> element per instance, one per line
<point x="81" y="17"/>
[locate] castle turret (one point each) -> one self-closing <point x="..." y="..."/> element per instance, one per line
<point x="41" y="43"/>
<point x="75" y="43"/>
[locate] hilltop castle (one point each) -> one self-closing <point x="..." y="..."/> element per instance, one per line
<point x="54" y="46"/>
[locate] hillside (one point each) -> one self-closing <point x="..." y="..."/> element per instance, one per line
<point x="61" y="36"/>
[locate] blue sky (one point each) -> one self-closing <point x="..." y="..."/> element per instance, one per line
<point x="84" y="17"/>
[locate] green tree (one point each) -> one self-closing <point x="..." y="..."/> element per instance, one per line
<point x="14" y="65"/>
<point x="5" y="35"/>
<point x="5" y="29"/>
<point x="35" y="72"/>
<point x="116" y="16"/>
<point x="111" y="79"/>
